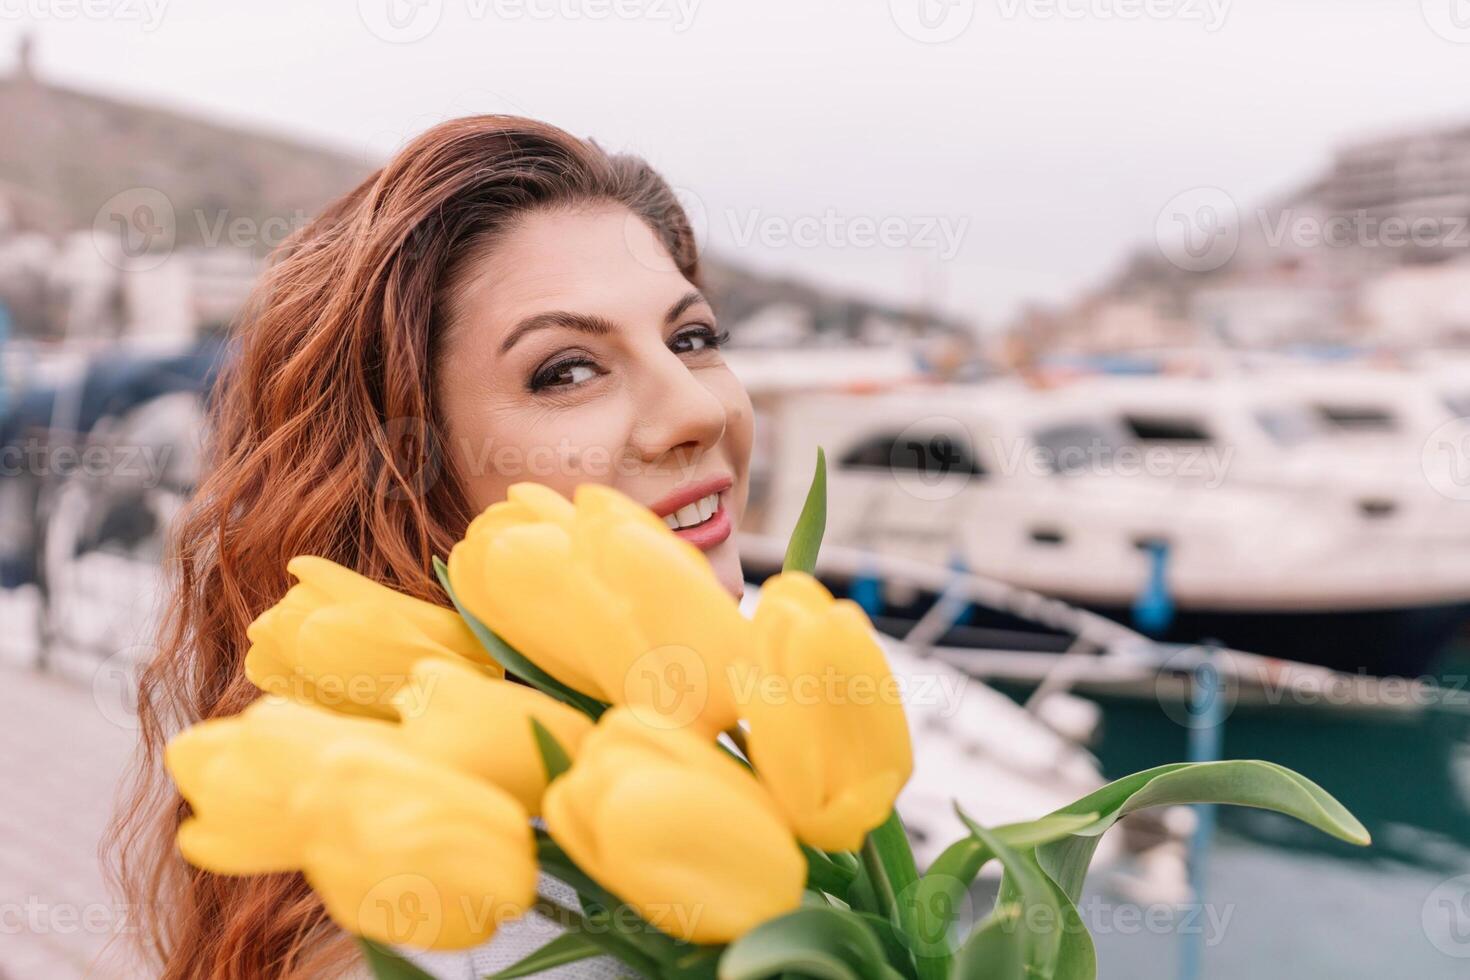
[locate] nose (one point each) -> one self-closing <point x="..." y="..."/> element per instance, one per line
<point x="679" y="417"/>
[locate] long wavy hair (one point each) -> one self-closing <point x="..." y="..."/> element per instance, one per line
<point x="324" y="439"/>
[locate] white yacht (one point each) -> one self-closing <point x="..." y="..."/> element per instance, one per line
<point x="1109" y="501"/>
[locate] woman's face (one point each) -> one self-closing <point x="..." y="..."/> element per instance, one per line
<point x="576" y="352"/>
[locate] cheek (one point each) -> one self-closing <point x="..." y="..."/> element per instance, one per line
<point x="739" y="430"/>
<point x="495" y="446"/>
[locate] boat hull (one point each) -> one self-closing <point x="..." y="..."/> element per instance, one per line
<point x="1392" y="641"/>
<point x="1402" y="641"/>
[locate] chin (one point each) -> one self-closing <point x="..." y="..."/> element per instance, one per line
<point x="724" y="558"/>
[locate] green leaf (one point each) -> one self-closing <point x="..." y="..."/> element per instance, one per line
<point x="941" y="889"/>
<point x="597" y="932"/>
<point x="513" y="660"/>
<point x="1250" y="783"/>
<point x="1076" y="956"/>
<point x="388" y="965"/>
<point x="554" y="758"/>
<point x="569" y="947"/>
<point x="820" y="943"/>
<point x="1029" y="915"/>
<point x="991" y="952"/>
<point x="889" y="862"/>
<point x="896" y="946"/>
<point x="825" y="874"/>
<point x="806" y="537"/>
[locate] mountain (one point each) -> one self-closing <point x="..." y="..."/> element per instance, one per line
<point x="64" y="154"/>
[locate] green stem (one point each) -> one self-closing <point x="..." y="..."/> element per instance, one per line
<point x="890" y="864"/>
<point x="882" y="884"/>
<point x="614" y="944"/>
<point x="649" y="940"/>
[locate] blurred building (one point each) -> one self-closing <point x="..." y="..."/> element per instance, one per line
<point x="1375" y="251"/>
<point x="120" y="220"/>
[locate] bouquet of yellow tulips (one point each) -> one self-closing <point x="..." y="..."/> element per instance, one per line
<point x="717" y="790"/>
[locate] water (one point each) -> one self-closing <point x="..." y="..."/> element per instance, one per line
<point x="1289" y="902"/>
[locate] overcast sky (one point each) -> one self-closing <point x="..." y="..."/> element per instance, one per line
<point x="981" y="153"/>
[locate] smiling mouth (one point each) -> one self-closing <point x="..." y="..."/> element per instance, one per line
<point x="694" y="514"/>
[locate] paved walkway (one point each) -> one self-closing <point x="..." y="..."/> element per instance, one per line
<point x="68" y="736"/>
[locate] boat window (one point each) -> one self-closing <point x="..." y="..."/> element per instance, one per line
<point x="1074" y="447"/>
<point x="1166" y="428"/>
<point x="1458" y="402"/>
<point x="1356" y="418"/>
<point x="1288" y="426"/>
<point x="937" y="454"/>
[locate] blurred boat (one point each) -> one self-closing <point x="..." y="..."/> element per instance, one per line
<point x="122" y="431"/>
<point x="1193" y="539"/>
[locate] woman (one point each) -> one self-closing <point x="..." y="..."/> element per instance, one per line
<point x="501" y="302"/>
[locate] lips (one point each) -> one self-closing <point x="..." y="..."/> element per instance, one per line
<point x="697" y="512"/>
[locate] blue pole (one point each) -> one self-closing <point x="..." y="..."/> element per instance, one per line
<point x="956" y="607"/>
<point x="1153" y="610"/>
<point x="1206" y="737"/>
<point x="867" y="591"/>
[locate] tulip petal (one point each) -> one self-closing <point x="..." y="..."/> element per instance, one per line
<point x="415" y="853"/>
<point x="692" y="631"/>
<point x="600" y="504"/>
<point x="698" y="860"/>
<point x="676" y="828"/>
<point x="481" y="726"/>
<point x="829" y="738"/>
<point x="523" y="586"/>
<point x="239" y="775"/>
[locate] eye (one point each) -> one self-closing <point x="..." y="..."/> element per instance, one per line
<point x="564" y="374"/>
<point x="699" y="338"/>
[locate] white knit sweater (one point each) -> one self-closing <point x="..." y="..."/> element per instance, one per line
<point x="516" y="940"/>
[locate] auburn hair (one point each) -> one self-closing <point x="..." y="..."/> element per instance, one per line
<point x="324" y="440"/>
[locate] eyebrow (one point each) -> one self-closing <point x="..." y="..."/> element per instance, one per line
<point x="588" y="323"/>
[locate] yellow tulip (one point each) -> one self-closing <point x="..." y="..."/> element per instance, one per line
<point x="827" y="728"/>
<point x="402" y="848"/>
<point x="481" y="725"/>
<point x="411" y="852"/>
<point x="239" y="775"/>
<point x="676" y="828"/>
<point x="603" y="596"/>
<point x="340" y="640"/>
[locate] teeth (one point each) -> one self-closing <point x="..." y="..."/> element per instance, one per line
<point x="696" y="513"/>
